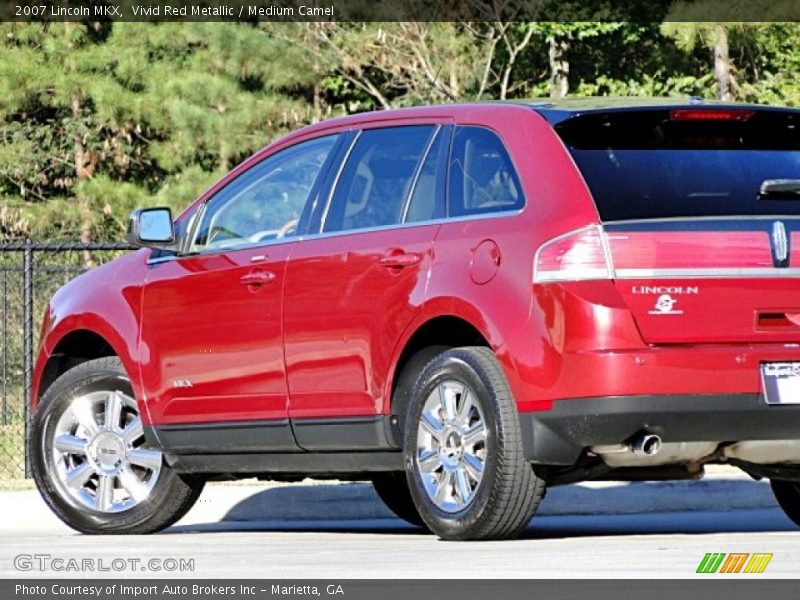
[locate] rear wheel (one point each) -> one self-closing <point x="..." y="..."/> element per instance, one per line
<point x="463" y="450"/>
<point x="91" y="461"/>
<point x="787" y="493"/>
<point x="392" y="489"/>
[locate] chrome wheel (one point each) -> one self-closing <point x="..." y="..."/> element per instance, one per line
<point x="99" y="456"/>
<point x="451" y="445"/>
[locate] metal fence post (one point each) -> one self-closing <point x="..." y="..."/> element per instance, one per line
<point x="27" y="318"/>
<point x="5" y="347"/>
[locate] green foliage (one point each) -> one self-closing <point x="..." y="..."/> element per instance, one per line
<point x="98" y="118"/>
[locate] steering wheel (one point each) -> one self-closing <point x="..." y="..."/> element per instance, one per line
<point x="217" y="231"/>
<point x="287" y="229"/>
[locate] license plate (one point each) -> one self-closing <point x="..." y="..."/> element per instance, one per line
<point x="781" y="382"/>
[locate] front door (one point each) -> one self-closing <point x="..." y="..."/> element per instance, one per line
<point x="211" y="342"/>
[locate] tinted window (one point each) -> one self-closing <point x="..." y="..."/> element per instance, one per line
<point x="427" y="199"/>
<point x="265" y="202"/>
<point x="482" y="176"/>
<point x="377" y="178"/>
<point x="653" y="164"/>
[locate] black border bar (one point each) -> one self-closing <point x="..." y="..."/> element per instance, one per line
<point x="732" y="11"/>
<point x="707" y="587"/>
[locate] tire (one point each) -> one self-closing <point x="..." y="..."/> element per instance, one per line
<point x="392" y="489"/>
<point x="97" y="474"/>
<point x="465" y="467"/>
<point x="787" y="493"/>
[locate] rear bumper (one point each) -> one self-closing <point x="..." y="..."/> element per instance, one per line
<point x="558" y="436"/>
<point x="714" y="369"/>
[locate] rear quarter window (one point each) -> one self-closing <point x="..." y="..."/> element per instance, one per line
<point x="482" y="175"/>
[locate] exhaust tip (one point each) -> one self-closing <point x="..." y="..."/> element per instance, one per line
<point x="646" y="444"/>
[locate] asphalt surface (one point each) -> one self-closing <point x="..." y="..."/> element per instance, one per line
<point x="281" y="540"/>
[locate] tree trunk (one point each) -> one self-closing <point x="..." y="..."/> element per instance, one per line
<point x="82" y="171"/>
<point x="86" y="238"/>
<point x="224" y="160"/>
<point x="722" y="65"/>
<point x="559" y="66"/>
<point x="317" y="102"/>
<point x="455" y="86"/>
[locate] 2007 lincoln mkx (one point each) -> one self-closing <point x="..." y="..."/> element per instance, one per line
<point x="463" y="304"/>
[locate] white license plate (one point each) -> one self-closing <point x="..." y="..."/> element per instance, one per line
<point x="781" y="382"/>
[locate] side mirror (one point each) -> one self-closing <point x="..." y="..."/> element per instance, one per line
<point x="151" y="228"/>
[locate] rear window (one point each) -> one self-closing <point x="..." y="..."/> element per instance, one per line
<point x="669" y="163"/>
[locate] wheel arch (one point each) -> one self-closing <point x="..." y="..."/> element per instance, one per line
<point x="430" y="335"/>
<point x="71" y="344"/>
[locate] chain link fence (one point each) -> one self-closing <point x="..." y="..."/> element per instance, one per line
<point x="29" y="275"/>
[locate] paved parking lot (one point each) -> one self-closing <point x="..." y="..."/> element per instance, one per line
<point x="342" y="531"/>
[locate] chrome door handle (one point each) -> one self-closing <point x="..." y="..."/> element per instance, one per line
<point x="257" y="278"/>
<point x="405" y="259"/>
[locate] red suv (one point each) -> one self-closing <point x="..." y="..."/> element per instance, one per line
<point x="462" y="304"/>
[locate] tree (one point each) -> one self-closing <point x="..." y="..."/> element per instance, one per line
<point x="97" y="118"/>
<point x="407" y="63"/>
<point x="714" y="36"/>
<point x="691" y="24"/>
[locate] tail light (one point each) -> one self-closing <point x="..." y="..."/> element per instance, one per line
<point x="577" y="256"/>
<point x="596" y="252"/>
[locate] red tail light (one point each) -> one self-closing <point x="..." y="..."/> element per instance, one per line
<point x="594" y="253"/>
<point x="577" y="256"/>
<point x="711" y="115"/>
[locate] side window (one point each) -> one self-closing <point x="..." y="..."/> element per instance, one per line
<point x="265" y="202"/>
<point x="482" y="176"/>
<point x="427" y="199"/>
<point x="377" y="178"/>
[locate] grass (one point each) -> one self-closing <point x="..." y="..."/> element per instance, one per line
<point x="12" y="453"/>
<point x="16" y="485"/>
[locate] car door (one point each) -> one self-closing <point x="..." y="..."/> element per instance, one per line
<point x="211" y="338"/>
<point x="352" y="288"/>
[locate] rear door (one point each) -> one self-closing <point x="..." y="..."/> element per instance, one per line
<point x="352" y="288"/>
<point x="705" y="244"/>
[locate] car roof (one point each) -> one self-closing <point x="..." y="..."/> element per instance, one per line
<point x="554" y="110"/>
<point x="559" y="110"/>
<point x="415" y="112"/>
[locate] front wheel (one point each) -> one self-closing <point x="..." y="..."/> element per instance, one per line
<point x="787" y="493"/>
<point x="90" y="459"/>
<point x="463" y="450"/>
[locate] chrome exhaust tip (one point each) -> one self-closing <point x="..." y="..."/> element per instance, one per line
<point x="646" y="444"/>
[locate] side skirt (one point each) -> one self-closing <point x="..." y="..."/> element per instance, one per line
<point x="324" y="447"/>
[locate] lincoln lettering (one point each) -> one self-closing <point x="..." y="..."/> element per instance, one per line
<point x="664" y="289"/>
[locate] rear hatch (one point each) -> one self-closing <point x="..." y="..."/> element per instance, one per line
<point x="700" y="212"/>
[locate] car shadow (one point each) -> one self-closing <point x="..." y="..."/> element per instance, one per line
<point x="640" y="508"/>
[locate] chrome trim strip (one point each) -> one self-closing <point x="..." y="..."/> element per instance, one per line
<point x="442" y="221"/>
<point x="313" y="236"/>
<point x="708" y="272"/>
<point x="702" y="219"/>
<point x="218" y="251"/>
